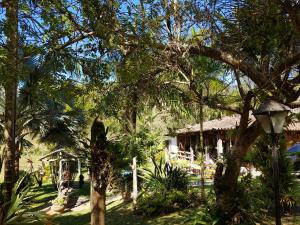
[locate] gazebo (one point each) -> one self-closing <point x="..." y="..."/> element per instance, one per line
<point x="64" y="167"/>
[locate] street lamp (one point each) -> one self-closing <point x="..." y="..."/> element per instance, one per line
<point x="271" y="115"/>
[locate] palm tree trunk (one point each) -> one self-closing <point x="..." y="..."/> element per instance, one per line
<point x="17" y="161"/>
<point x="10" y="88"/>
<point x="98" y="207"/>
<point x="100" y="172"/>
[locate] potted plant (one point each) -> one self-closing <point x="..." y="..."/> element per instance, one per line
<point x="58" y="204"/>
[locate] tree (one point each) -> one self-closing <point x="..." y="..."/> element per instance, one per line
<point x="262" y="48"/>
<point x="257" y="47"/>
<point x="30" y="28"/>
<point x="10" y="88"/>
<point x="100" y="172"/>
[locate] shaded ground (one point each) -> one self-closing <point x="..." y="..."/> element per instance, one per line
<point x="118" y="213"/>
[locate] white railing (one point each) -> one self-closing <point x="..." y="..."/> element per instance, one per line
<point x="186" y="155"/>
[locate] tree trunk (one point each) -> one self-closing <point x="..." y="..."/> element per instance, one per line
<point x="131" y="112"/>
<point x="10" y="87"/>
<point x="225" y="184"/>
<point x="100" y="172"/>
<point x="98" y="207"/>
<point x="17" y="161"/>
<point x="202" y="171"/>
<point x="9" y="167"/>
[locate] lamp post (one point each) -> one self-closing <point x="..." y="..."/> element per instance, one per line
<point x="271" y="115"/>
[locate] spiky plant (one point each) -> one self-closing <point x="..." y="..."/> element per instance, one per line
<point x="17" y="210"/>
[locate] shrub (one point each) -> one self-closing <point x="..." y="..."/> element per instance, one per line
<point x="249" y="203"/>
<point x="17" y="210"/>
<point x="155" y="203"/>
<point x="165" y="177"/>
<point x="165" y="190"/>
<point x="262" y="159"/>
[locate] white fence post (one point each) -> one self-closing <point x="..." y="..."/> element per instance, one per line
<point x="134" y="174"/>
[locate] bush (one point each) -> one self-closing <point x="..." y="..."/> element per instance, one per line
<point x="249" y="202"/>
<point x="165" y="177"/>
<point x="165" y="190"/>
<point x="17" y="210"/>
<point x="155" y="203"/>
<point x="262" y="160"/>
<point x="248" y="205"/>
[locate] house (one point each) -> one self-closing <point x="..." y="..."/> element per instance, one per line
<point x="218" y="137"/>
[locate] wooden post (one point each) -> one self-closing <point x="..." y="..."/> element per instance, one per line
<point x="59" y="176"/>
<point x="68" y="173"/>
<point x="134" y="174"/>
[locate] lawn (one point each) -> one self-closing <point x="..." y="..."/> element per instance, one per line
<point x="118" y="213"/>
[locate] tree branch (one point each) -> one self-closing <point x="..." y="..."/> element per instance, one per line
<point x="239" y="64"/>
<point x="286" y="64"/>
<point x="245" y="114"/>
<point x="292" y="11"/>
<point x="239" y="83"/>
<point x="72" y="41"/>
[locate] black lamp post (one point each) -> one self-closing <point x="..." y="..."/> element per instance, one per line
<point x="271" y="115"/>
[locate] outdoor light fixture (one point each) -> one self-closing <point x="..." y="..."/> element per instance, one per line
<point x="271" y="115"/>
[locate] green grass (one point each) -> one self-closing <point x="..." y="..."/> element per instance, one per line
<point x="119" y="213"/>
<point x="42" y="195"/>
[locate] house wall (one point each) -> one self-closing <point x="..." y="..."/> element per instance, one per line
<point x="172" y="145"/>
<point x="210" y="139"/>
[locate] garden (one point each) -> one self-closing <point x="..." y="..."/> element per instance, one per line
<point x="149" y="112"/>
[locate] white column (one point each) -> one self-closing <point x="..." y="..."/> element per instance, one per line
<point x="206" y="154"/>
<point x="192" y="155"/>
<point x="134" y="175"/>
<point x="59" y="182"/>
<point x="220" y="148"/>
<point x="79" y="166"/>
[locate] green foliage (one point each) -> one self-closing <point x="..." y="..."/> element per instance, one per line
<point x="262" y="160"/>
<point x="153" y="203"/>
<point x="165" y="177"/>
<point x="249" y="206"/>
<point x="165" y="189"/>
<point x="142" y="144"/>
<point x="249" y="203"/>
<point x="17" y="211"/>
<point x="203" y="216"/>
<point x="59" y="200"/>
